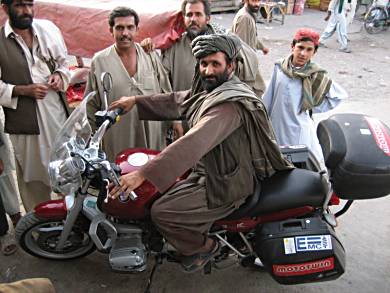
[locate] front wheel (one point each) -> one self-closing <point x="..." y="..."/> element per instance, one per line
<point x="39" y="237"/>
<point x="375" y="20"/>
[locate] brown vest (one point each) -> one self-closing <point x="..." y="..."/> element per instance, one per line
<point x="230" y="175"/>
<point x="248" y="153"/>
<point x="14" y="70"/>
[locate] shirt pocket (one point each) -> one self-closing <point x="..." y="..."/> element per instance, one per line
<point x="148" y="82"/>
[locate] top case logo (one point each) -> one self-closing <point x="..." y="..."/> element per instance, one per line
<point x="314" y="242"/>
<point x="380" y="134"/>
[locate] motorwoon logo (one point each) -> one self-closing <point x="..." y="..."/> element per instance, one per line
<point x="380" y="134"/>
<point x="304" y="268"/>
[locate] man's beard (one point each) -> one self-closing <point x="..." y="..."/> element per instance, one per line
<point x="193" y="33"/>
<point x="253" y="9"/>
<point x="20" y="21"/>
<point x="210" y="84"/>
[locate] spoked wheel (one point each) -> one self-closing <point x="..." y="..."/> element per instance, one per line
<point x="39" y="237"/>
<point x="375" y="20"/>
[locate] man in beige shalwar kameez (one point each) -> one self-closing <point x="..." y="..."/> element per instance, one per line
<point x="33" y="70"/>
<point x="180" y="62"/>
<point x="244" y="25"/>
<point x="134" y="72"/>
<point x="229" y="145"/>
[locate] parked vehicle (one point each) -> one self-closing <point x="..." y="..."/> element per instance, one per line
<point x="377" y="18"/>
<point x="285" y="227"/>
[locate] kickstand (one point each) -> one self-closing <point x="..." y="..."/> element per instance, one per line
<point x="157" y="262"/>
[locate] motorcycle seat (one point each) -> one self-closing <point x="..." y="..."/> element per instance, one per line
<point x="284" y="190"/>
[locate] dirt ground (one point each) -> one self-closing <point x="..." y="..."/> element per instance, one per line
<point x="364" y="230"/>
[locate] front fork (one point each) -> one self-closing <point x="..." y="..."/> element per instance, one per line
<point x="72" y="215"/>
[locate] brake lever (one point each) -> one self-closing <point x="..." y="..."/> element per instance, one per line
<point x="114" y="178"/>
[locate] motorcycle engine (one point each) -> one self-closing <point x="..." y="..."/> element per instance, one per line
<point x="128" y="253"/>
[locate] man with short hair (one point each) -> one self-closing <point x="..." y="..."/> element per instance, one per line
<point x="34" y="76"/>
<point x="134" y="72"/>
<point x="298" y="87"/>
<point x="337" y="22"/>
<point x="229" y="146"/>
<point x="244" y="25"/>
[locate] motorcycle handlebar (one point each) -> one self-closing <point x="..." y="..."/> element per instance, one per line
<point x="114" y="115"/>
<point x="111" y="116"/>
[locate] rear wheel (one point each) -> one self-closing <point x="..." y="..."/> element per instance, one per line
<point x="375" y="20"/>
<point x="39" y="237"/>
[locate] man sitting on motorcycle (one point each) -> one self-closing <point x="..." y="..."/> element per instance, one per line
<point x="229" y="146"/>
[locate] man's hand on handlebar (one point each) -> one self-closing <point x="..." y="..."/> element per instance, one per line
<point x="125" y="103"/>
<point x="127" y="183"/>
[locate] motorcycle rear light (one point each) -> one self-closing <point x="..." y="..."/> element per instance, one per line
<point x="334" y="200"/>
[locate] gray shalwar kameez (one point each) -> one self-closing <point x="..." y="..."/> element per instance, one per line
<point x="150" y="78"/>
<point x="180" y="63"/>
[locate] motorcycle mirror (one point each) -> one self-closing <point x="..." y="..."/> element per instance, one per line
<point x="106" y="81"/>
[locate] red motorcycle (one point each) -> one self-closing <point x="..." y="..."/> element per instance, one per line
<point x="285" y="227"/>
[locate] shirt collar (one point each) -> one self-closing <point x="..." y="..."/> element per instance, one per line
<point x="8" y="30"/>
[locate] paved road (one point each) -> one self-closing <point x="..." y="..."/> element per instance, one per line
<point x="364" y="230"/>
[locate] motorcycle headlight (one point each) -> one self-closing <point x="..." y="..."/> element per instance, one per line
<point x="65" y="175"/>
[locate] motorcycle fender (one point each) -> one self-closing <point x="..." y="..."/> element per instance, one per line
<point x="51" y="209"/>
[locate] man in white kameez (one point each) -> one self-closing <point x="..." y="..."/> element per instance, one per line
<point x="134" y="72"/>
<point x="297" y="87"/>
<point x="33" y="72"/>
<point x="337" y="22"/>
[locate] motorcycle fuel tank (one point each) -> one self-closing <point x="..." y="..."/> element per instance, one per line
<point x="129" y="161"/>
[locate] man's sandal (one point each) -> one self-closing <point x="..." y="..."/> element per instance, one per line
<point x="15" y="218"/>
<point x="7" y="244"/>
<point x="196" y="262"/>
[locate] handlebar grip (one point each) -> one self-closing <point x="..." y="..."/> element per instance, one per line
<point x="114" y="115"/>
<point x="118" y="111"/>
